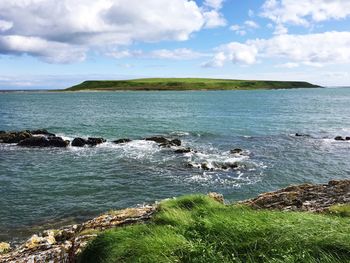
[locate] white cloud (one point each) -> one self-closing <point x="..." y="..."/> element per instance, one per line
<point x="216" y="4"/>
<point x="251" y="24"/>
<point x="312" y="50"/>
<point x="76" y="25"/>
<point x="242" y="30"/>
<point x="5" y="25"/>
<point x="49" y="51"/>
<point x="305" y="12"/>
<point x="214" y="19"/>
<point x="175" y="54"/>
<point x="288" y="65"/>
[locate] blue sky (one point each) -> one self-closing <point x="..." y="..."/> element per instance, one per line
<point x="55" y="44"/>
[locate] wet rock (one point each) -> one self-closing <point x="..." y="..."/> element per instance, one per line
<point x="175" y="142"/>
<point x="339" y="138"/>
<point x="302" y="135"/>
<point x="205" y="167"/>
<point x="217" y="197"/>
<point x="14" y="137"/>
<point x="164" y="142"/>
<point x="119" y="141"/>
<point x="236" y="151"/>
<point x="347" y="138"/>
<point x="183" y="150"/>
<point x="43" y="142"/>
<point x="306" y="197"/>
<point x="42" y="132"/>
<point x="79" y="142"/>
<point x="4" y="247"/>
<point x="95" y="141"/>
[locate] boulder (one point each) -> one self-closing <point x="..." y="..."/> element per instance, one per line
<point x="339" y="138"/>
<point x="236" y="151"/>
<point x="42" y="132"/>
<point x="78" y="142"/>
<point x="14" y="137"/>
<point x="347" y="138"/>
<point x="95" y="141"/>
<point x="43" y="142"/>
<point x="119" y="141"/>
<point x="175" y="142"/>
<point x="164" y="142"/>
<point x="183" y="150"/>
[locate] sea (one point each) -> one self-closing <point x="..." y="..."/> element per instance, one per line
<point x="42" y="188"/>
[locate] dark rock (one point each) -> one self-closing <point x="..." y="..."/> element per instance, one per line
<point x="79" y="142"/>
<point x="164" y="142"/>
<point x="236" y="151"/>
<point x="42" y="132"/>
<point x="122" y="141"/>
<point x="95" y="141"/>
<point x="43" y="142"/>
<point x="302" y="135"/>
<point x="205" y="166"/>
<point x="159" y="140"/>
<point x="339" y="138"/>
<point x="183" y="150"/>
<point x="347" y="138"/>
<point x="175" y="142"/>
<point x="14" y="137"/>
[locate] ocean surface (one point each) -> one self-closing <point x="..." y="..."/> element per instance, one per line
<point x="44" y="188"/>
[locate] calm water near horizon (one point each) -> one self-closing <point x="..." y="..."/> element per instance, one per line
<point x="40" y="188"/>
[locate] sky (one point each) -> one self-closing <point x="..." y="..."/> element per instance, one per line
<point x="54" y="44"/>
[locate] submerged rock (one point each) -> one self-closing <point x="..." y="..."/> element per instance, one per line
<point x="42" y="132"/>
<point x="339" y="138"/>
<point x="302" y="135"/>
<point x="236" y="151"/>
<point x="124" y="140"/>
<point x="44" y="142"/>
<point x="183" y="150"/>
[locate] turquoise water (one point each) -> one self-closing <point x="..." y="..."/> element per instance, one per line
<point x="40" y="187"/>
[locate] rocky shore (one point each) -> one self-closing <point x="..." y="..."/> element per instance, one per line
<point x="65" y="244"/>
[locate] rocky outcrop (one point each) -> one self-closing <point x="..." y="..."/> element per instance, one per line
<point x="63" y="245"/>
<point x="183" y="150"/>
<point x="41" y="141"/>
<point x="14" y="137"/>
<point x="306" y="197"/>
<point x="236" y="151"/>
<point x="42" y="132"/>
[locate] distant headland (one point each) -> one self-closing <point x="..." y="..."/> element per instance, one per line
<point x="186" y="84"/>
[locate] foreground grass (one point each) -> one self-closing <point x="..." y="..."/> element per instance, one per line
<point x="198" y="229"/>
<point x="187" y="84"/>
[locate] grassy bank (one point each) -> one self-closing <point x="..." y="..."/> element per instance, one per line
<point x="199" y="229"/>
<point x="187" y="84"/>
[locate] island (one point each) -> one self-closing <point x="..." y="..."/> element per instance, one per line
<point x="186" y="84"/>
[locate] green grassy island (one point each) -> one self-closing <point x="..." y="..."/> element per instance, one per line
<point x="186" y="84"/>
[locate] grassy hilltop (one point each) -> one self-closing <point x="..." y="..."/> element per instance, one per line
<point x="187" y="84"/>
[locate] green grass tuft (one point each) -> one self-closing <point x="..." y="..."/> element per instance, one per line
<point x="342" y="210"/>
<point x="198" y="229"/>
